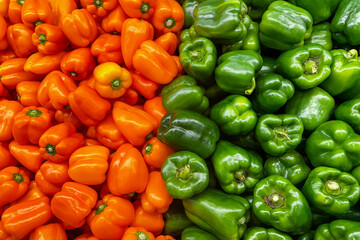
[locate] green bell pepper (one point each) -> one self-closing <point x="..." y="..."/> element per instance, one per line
<point x="185" y="174"/>
<point x="234" y="115"/>
<point x="260" y="233"/>
<point x="222" y="21"/>
<point x="183" y="93"/>
<point x="313" y="106"/>
<point x="221" y="214"/>
<point x="188" y="34"/>
<point x="236" y="169"/>
<point x="175" y="219"/>
<point x="277" y="202"/>
<point x="331" y="191"/>
<point x="356" y="173"/>
<point x="254" y="221"/>
<point x="215" y="94"/>
<point x="236" y="70"/>
<point x="271" y="93"/>
<point x="338" y="230"/>
<point x="274" y="26"/>
<point x="321" y="34"/>
<point x="267" y="67"/>
<point x="307" y="236"/>
<point x="334" y="144"/>
<point x="198" y="58"/>
<point x="290" y="165"/>
<point x="196" y="233"/>
<point x="257" y="7"/>
<point x="305" y="66"/>
<point x="278" y="134"/>
<point x="248" y="141"/>
<point x="187" y="130"/>
<point x="188" y="7"/>
<point x="349" y="112"/>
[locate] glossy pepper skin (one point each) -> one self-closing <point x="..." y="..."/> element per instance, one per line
<point x="42" y="64"/>
<point x="51" y="231"/>
<point x="257" y="7"/>
<point x="338" y="229"/>
<point x="12" y="72"/>
<point x="99" y="8"/>
<point x="187" y="130"/>
<point x="141" y="9"/>
<point x="19" y="38"/>
<point x="313" y="106"/>
<point x="3" y="40"/>
<point x="168" y="41"/>
<point x="49" y="39"/>
<point x="107" y="48"/>
<point x="256" y="233"/>
<point x="274" y="31"/>
<point x="108" y="134"/>
<point x="348" y="112"/>
<point x="14" y="11"/>
<point x="236" y="169"/>
<point x="277" y="202"/>
<point x="305" y="66"/>
<point x="188" y="7"/>
<point x="185" y="174"/>
<point x="8" y="110"/>
<point x="235" y="71"/>
<point x="27" y="93"/>
<point x="35" y="12"/>
<point x="28" y="155"/>
<point x="153" y="222"/>
<point x="192" y="233"/>
<point x="7" y="159"/>
<point x="321" y="35"/>
<point x="221" y="214"/>
<point x="331" y="190"/>
<point x="78" y="64"/>
<point x="144" y="86"/>
<point x="334" y="144"/>
<point x="175" y="219"/>
<point x="168" y="16"/>
<point x="234" y="115"/>
<point x="112" y="23"/>
<point x="155" y="152"/>
<point x="155" y="108"/>
<point x="198" y="58"/>
<point x="183" y="93"/>
<point x="135" y="233"/>
<point x="231" y="27"/>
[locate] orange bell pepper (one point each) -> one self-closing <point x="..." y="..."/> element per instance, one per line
<point x="86" y="236"/>
<point x="130" y="97"/>
<point x="8" y="110"/>
<point x="133" y="33"/>
<point x="28" y="155"/>
<point x="30" y="124"/>
<point x="73" y="203"/>
<point x="155" y="108"/>
<point x="164" y="237"/>
<point x="3" y="234"/>
<point x="155" y="152"/>
<point x="32" y="193"/>
<point x="111" y="217"/>
<point x="137" y="233"/>
<point x="144" y="86"/>
<point x="108" y="134"/>
<point x="42" y="64"/>
<point x="91" y="132"/>
<point x="168" y="16"/>
<point x="79" y="27"/>
<point x="142" y="9"/>
<point x="51" y="231"/>
<point x="107" y="48"/>
<point x="27" y="93"/>
<point x="91" y="142"/>
<point x="99" y="7"/>
<point x="181" y="70"/>
<point x="90" y="81"/>
<point x="4" y="92"/>
<point x="88" y="165"/>
<point x="20" y="219"/>
<point x="35" y="12"/>
<point x="153" y="222"/>
<point x="111" y="80"/>
<point x="134" y="124"/>
<point x="61" y="8"/>
<point x="14" y="11"/>
<point x="49" y="39"/>
<point x="51" y="176"/>
<point x="3" y="28"/>
<point x="12" y="72"/>
<point x="67" y="116"/>
<point x="7" y="55"/>
<point x="88" y="106"/>
<point x="4" y="5"/>
<point x="152" y="61"/>
<point x="20" y="39"/>
<point x="6" y="158"/>
<point x="127" y="171"/>
<point x="78" y="64"/>
<point x="13" y="184"/>
<point x="168" y="41"/>
<point x="59" y="142"/>
<point x="112" y="23"/>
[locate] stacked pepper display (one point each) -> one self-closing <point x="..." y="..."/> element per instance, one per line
<point x="164" y="119"/>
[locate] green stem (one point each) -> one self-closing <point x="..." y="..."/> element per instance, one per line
<point x="116" y="83"/>
<point x="149" y="136"/>
<point x="281" y="134"/>
<point x="74" y="74"/>
<point x="98" y="3"/>
<point x="34" y="113"/>
<point x="169" y="22"/>
<point x="42" y="38"/>
<point x="274" y="200"/>
<point x="145" y="8"/>
<point x="38" y="22"/>
<point x="240" y="176"/>
<point x="352" y="55"/>
<point x="50" y="149"/>
<point x="252" y="88"/>
<point x="184" y="173"/>
<point x="142" y="236"/>
<point x="20" y="2"/>
<point x="148" y="148"/>
<point x="100" y="208"/>
<point x="310" y="67"/>
<point x="333" y="187"/>
<point x="197" y="56"/>
<point x="18" y="177"/>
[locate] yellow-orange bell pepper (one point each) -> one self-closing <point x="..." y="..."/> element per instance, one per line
<point x="112" y="23"/>
<point x="141" y="9"/>
<point x="108" y="134"/>
<point x="35" y="12"/>
<point x="28" y="155"/>
<point x="99" y="7"/>
<point x="168" y="16"/>
<point x="8" y="110"/>
<point x="49" y="39"/>
<point x="51" y="231"/>
<point x="42" y="64"/>
<point x="27" y="93"/>
<point x="20" y="39"/>
<point x="107" y="48"/>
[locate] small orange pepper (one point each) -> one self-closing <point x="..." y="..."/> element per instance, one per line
<point x="4" y="5"/>
<point x="27" y="93"/>
<point x="108" y="134"/>
<point x="137" y="233"/>
<point x="67" y="116"/>
<point x="61" y="8"/>
<point x="8" y="110"/>
<point x="99" y="7"/>
<point x="32" y="193"/>
<point x="164" y="237"/>
<point x="14" y="11"/>
<point x="20" y="39"/>
<point x="51" y="231"/>
<point x="130" y="97"/>
<point x="153" y="222"/>
<point x="107" y="48"/>
<point x="7" y="54"/>
<point x="155" y="108"/>
<point x="86" y="236"/>
<point x="155" y="152"/>
<point x="144" y="86"/>
<point x="141" y="9"/>
<point x="91" y="142"/>
<point x="168" y="16"/>
<point x="28" y="155"/>
<point x="6" y="158"/>
<point x="3" y="29"/>
<point x="35" y="12"/>
<point x="168" y="41"/>
<point x="78" y="64"/>
<point x="42" y="64"/>
<point x="49" y="39"/>
<point x="112" y="23"/>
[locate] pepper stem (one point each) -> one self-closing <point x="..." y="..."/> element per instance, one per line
<point x="310" y="66"/>
<point x="74" y="74"/>
<point x="100" y="208"/>
<point x="142" y="236"/>
<point x="116" y="83"/>
<point x="42" y="39"/>
<point x="281" y="134"/>
<point x="149" y="136"/>
<point x="251" y="89"/>
<point x="333" y="187"/>
<point x="184" y="173"/>
<point x="148" y="148"/>
<point x="98" y="3"/>
<point x="197" y="56"/>
<point x="38" y="22"/>
<point x="50" y="149"/>
<point x="34" y="113"/>
<point x="144" y="8"/>
<point x="274" y="200"/>
<point x="352" y="55"/>
<point x="240" y="176"/>
<point x="169" y="22"/>
<point x="20" y="2"/>
<point x="18" y="177"/>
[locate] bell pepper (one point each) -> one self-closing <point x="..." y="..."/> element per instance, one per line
<point x="13" y="184"/>
<point x="8" y="109"/>
<point x="257" y="7"/>
<point x="185" y="174"/>
<point x="14" y="11"/>
<point x="187" y="130"/>
<point x="153" y="62"/>
<point x="163" y="237"/>
<point x="183" y="93"/>
<point x="267" y="67"/>
<point x="235" y="71"/>
<point x="41" y="64"/>
<point x="338" y="229"/>
<point x="7" y="159"/>
<point x="134" y="124"/>
<point x="86" y="236"/>
<point x="67" y="116"/>
<point x="168" y="41"/>
<point x="89" y="164"/>
<point x="141" y="9"/>
<point x="20" y="219"/>
<point x="62" y="8"/>
<point x="274" y="26"/>
<point x="73" y="203"/>
<point x="188" y="7"/>
<point x="28" y="155"/>
<point x="19" y="38"/>
<point x="111" y="217"/>
<point x="32" y="193"/>
<point x="168" y="16"/>
<point x="78" y="64"/>
<point x="137" y="233"/>
<point x="334" y="144"/>
<point x="27" y="93"/>
<point x="127" y="172"/>
<point x="88" y="106"/>
<point x="155" y="152"/>
<point x="133" y="33"/>
<point x="321" y="35"/>
<point x="107" y="48"/>
<point x="234" y="115"/>
<point x="347" y="112"/>
<point x="230" y="27"/>
<point x="99" y="8"/>
<point x="290" y="165"/>
<point x="175" y="219"/>
<point x="255" y="233"/>
<point x="131" y="96"/>
<point x="181" y="70"/>
<point x="3" y="29"/>
<point x="188" y="34"/>
<point x="278" y="134"/>
<point x="51" y="176"/>
<point x="49" y="39"/>
<point x="144" y="86"/>
<point x="193" y="232"/>
<point x="313" y="107"/>
<point x="221" y="214"/>
<point x="79" y="27"/>
<point x="155" y="108"/>
<point x="153" y="222"/>
<point x="198" y="58"/>
<point x="7" y="54"/>
<point x="35" y="12"/>
<point x="51" y="231"/>
<point x="305" y="66"/>
<point x="278" y="203"/>
<point x="108" y="134"/>
<point x="112" y="23"/>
